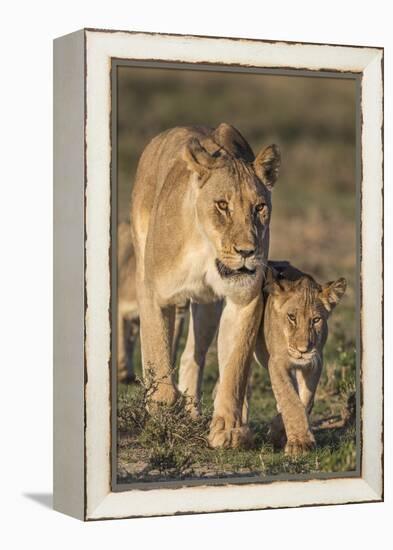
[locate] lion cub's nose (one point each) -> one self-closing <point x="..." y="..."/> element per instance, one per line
<point x="245" y="252"/>
<point x="302" y="348"/>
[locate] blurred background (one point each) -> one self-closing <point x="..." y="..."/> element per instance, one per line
<point x="313" y="120"/>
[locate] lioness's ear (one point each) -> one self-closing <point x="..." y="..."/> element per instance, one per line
<point x="267" y="165"/>
<point x="199" y="160"/>
<point x="332" y="293"/>
<point x="231" y="139"/>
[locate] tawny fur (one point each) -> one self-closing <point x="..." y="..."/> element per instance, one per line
<point x="200" y="214"/>
<point x="127" y="308"/>
<point x="290" y="344"/>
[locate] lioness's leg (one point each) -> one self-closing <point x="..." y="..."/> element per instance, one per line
<point x="127" y="332"/>
<point x="121" y="348"/>
<point x="293" y="413"/>
<point x="131" y="332"/>
<point x="236" y="341"/>
<point x="180" y="319"/>
<point x="204" y="320"/>
<point x="156" y="341"/>
<point x="246" y="402"/>
<point x="247" y="399"/>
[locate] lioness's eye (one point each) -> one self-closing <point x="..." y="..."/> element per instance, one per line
<point x="291" y="317"/>
<point x="260" y="206"/>
<point x="316" y="320"/>
<point x="222" y="205"/>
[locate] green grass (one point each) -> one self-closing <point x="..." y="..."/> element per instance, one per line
<point x="170" y="445"/>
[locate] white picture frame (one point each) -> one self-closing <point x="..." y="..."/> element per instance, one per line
<point x="82" y="241"/>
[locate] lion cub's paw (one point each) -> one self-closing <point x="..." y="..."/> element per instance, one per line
<point x="298" y="445"/>
<point x="229" y="434"/>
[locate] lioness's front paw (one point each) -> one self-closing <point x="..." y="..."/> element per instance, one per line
<point x="165" y="393"/>
<point x="297" y="445"/>
<point x="227" y="433"/>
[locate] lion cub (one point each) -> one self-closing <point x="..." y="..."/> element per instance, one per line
<point x="290" y="344"/>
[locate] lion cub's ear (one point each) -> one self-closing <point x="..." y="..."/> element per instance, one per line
<point x="199" y="160"/>
<point x="272" y="284"/>
<point x="332" y="293"/>
<point x="267" y="165"/>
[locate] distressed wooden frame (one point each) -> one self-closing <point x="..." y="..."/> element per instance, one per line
<point x="82" y="241"/>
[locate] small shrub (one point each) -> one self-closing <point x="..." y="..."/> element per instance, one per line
<point x="170" y="436"/>
<point x="132" y="412"/>
<point x="173" y="438"/>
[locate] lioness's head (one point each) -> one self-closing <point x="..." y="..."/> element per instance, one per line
<point x="233" y="199"/>
<point x="300" y="308"/>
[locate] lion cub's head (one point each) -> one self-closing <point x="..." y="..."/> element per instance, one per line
<point x="299" y="308"/>
<point x="232" y="191"/>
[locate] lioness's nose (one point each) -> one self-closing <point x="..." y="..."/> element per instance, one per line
<point x="245" y="252"/>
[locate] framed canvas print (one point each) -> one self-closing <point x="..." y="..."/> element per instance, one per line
<point x="218" y="274"/>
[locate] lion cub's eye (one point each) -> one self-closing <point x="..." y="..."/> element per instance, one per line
<point x="316" y="320"/>
<point x="259" y="207"/>
<point x="222" y="205"/>
<point x="291" y="317"/>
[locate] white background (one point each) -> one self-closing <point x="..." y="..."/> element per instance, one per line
<point x="26" y="272"/>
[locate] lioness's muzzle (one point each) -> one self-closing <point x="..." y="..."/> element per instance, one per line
<point x="226" y="271"/>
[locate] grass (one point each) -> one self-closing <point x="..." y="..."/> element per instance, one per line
<point x="313" y="226"/>
<point x="170" y="445"/>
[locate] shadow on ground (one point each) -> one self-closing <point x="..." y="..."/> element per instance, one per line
<point x="45" y="499"/>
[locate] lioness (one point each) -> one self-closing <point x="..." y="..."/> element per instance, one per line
<point x="127" y="308"/>
<point x="200" y="214"/>
<point x="290" y="343"/>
